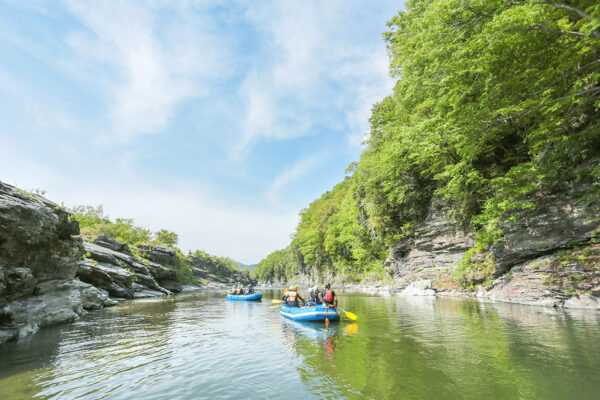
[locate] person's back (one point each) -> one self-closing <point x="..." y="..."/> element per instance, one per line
<point x="314" y="296"/>
<point x="329" y="296"/>
<point x="292" y="298"/>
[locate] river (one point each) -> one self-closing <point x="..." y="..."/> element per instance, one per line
<point x="198" y="345"/>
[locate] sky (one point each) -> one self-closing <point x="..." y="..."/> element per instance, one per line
<point x="218" y="120"/>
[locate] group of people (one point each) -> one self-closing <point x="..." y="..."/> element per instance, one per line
<point x="293" y="299"/>
<point x="239" y="289"/>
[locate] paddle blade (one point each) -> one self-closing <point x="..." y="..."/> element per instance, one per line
<point x="223" y="294"/>
<point x="277" y="306"/>
<point x="352" y="316"/>
<point x="276" y="301"/>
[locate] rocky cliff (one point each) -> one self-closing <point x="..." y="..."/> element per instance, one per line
<point x="49" y="275"/>
<point x="547" y="255"/>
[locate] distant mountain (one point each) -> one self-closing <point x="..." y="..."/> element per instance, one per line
<point x="242" y="266"/>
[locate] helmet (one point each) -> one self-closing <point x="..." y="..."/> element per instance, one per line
<point x="295" y="287"/>
<point x="291" y="288"/>
<point x="327" y="285"/>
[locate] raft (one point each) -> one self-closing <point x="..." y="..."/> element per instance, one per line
<point x="309" y="313"/>
<point x="244" y="297"/>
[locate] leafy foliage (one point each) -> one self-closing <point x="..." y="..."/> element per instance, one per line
<point x="493" y="101"/>
<point x="93" y="222"/>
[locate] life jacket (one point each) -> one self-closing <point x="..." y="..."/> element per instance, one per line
<point x="292" y="298"/>
<point x="328" y="297"/>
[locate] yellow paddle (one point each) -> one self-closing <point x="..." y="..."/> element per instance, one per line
<point x="350" y="315"/>
<point x="276" y="306"/>
<point x="276" y="301"/>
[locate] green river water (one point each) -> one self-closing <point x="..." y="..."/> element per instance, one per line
<point x="199" y="346"/>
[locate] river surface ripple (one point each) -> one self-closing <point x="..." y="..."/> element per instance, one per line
<point x="198" y="345"/>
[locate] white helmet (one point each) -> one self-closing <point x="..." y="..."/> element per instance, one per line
<point x="291" y="288"/>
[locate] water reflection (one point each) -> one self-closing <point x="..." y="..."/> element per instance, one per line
<point x="200" y="346"/>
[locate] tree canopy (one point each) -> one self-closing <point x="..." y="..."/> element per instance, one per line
<point x="493" y="101"/>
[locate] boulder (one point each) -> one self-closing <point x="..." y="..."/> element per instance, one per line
<point x="55" y="302"/>
<point x="106" y="241"/>
<point x="162" y="255"/>
<point x="172" y="286"/>
<point x="92" y="298"/>
<point x="418" y="288"/>
<point x="116" y="280"/>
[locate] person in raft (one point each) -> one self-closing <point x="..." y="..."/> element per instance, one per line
<point x="250" y="289"/>
<point x="292" y="297"/>
<point x="314" y="295"/>
<point x="328" y="296"/>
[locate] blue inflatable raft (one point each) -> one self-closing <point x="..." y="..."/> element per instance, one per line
<point x="244" y="297"/>
<point x="309" y="313"/>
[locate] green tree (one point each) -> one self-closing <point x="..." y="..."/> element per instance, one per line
<point x="166" y="237"/>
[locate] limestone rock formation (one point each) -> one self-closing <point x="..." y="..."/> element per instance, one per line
<point x="39" y="251"/>
<point x="547" y="255"/>
<point x="48" y="275"/>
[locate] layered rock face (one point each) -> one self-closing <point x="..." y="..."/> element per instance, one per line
<point x="548" y="255"/>
<point x="39" y="253"/>
<point x="217" y="275"/>
<point x="432" y="254"/>
<point x="48" y="275"/>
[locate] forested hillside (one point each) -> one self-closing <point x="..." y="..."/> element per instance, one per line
<point x="494" y="101"/>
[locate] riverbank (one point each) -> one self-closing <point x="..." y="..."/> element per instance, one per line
<point x="548" y="255"/>
<point x="50" y="274"/>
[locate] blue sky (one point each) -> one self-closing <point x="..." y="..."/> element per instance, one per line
<point x="219" y="120"/>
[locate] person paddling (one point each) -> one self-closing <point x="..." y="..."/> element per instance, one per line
<point x="328" y="297"/>
<point x="292" y="297"/>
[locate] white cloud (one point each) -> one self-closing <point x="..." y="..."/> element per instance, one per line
<point x="313" y="68"/>
<point x="300" y="169"/>
<point x="132" y="64"/>
<point x="147" y="65"/>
